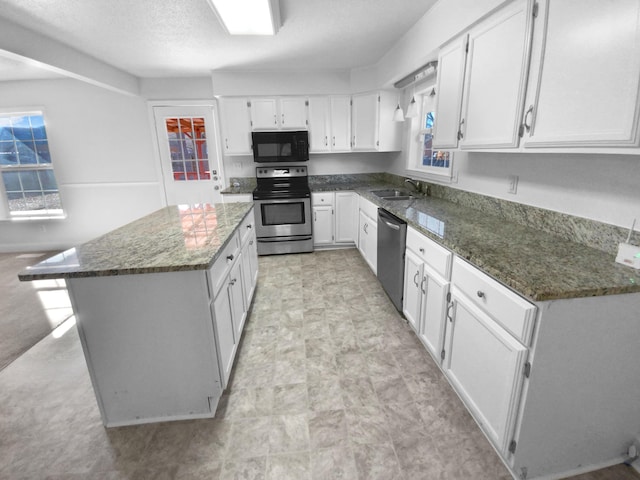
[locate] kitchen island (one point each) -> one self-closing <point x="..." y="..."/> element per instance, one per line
<point x="160" y="305"/>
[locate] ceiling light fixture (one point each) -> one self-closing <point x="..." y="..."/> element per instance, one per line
<point x="248" y="17"/>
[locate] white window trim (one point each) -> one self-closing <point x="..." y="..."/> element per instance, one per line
<point x="414" y="157"/>
<point x="5" y="214"/>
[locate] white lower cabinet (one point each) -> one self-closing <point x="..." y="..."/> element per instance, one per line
<point x="368" y="240"/>
<point x="334" y="218"/>
<point x="225" y="338"/>
<point x="426" y="285"/>
<point x="485" y="364"/>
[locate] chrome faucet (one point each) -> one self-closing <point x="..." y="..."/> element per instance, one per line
<point x="416" y="184"/>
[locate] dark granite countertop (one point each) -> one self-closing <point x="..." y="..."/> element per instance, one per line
<point x="534" y="263"/>
<point x="175" y="238"/>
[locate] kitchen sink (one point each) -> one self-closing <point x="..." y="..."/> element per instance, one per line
<point x="393" y="194"/>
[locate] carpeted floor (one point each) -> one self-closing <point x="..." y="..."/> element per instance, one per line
<point x="28" y="310"/>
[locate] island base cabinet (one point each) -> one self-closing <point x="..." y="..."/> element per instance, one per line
<point x="149" y="345"/>
<point x="485" y="365"/>
<point x="224" y="330"/>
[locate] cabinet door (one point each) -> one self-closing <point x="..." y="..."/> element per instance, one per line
<point x="264" y="114"/>
<point x="485" y="365"/>
<point x="319" y="124"/>
<point x="412" y="302"/>
<point x="368" y="240"/>
<point x="340" y="123"/>
<point x="249" y="268"/>
<point x="346" y="216"/>
<point x="586" y="91"/>
<point x="372" y="245"/>
<point x="293" y="113"/>
<point x="365" y="121"/>
<point x="225" y="340"/>
<point x="451" y="63"/>
<point x="238" y="310"/>
<point x="495" y="79"/>
<point x="434" y="308"/>
<point x="236" y="126"/>
<point x="323" y="225"/>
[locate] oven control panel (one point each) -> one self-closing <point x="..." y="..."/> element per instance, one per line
<point x="280" y="172"/>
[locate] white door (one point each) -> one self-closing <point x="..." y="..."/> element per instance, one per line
<point x="191" y="166"/>
<point x="346" y="216"/>
<point x="365" y="121"/>
<point x="434" y="307"/>
<point x="341" y="123"/>
<point x="323" y="225"/>
<point x="412" y="307"/>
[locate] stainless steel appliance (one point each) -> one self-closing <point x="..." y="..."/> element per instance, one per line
<point x="282" y="202"/>
<point x="392" y="237"/>
<point x="282" y="146"/>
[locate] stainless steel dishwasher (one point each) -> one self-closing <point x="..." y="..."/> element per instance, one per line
<point x="392" y="237"/>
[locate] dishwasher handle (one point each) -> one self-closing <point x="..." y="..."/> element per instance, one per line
<point x="390" y="220"/>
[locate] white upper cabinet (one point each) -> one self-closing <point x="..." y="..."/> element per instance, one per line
<point x="340" y="107"/>
<point x="451" y="61"/>
<point x="372" y="125"/>
<point x="496" y="78"/>
<point x="287" y="113"/>
<point x="584" y="91"/>
<point x="482" y="82"/>
<point x="330" y="124"/>
<point x="236" y="126"/>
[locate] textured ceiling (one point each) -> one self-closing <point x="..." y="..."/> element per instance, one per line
<point x="154" y="38"/>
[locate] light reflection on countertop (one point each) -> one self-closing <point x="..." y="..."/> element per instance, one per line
<point x="174" y="238"/>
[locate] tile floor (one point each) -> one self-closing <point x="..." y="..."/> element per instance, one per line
<point x="329" y="383"/>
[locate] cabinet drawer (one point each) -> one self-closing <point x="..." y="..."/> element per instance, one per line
<point x="322" y="198"/>
<point x="224" y="262"/>
<point x="509" y="309"/>
<point x="369" y="208"/>
<point x="437" y="257"/>
<point x="247" y="226"/>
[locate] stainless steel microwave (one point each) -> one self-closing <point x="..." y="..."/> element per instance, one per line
<point x="281" y="146"/>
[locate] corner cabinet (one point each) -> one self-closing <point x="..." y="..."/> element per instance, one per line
<point x="372" y="125"/>
<point x="585" y="90"/>
<point x="335" y="218"/>
<point x="482" y="82"/>
<point x="236" y="126"/>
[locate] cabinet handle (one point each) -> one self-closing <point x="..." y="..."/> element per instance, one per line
<point x="283" y="118"/>
<point x="527" y="126"/>
<point x="326" y="140"/>
<point x="315" y="216"/>
<point x="460" y="134"/>
<point x="415" y="278"/>
<point x="423" y="285"/>
<point x="334" y="140"/>
<point x="480" y="293"/>
<point x="353" y="142"/>
<point x="449" y="310"/>
<point x="249" y="226"/>
<point x="226" y="143"/>
<point x="421" y="250"/>
<point x="251" y="242"/>
<point x="233" y="281"/>
<point x="230" y="257"/>
<point x="365" y="227"/>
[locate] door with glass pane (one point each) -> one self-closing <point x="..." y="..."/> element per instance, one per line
<point x="191" y="166"/>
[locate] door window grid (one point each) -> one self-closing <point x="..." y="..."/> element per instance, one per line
<point x="188" y="148"/>
<point x="25" y="163"/>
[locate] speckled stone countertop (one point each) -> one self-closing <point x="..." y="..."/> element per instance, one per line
<point x="536" y="264"/>
<point x="175" y="238"/>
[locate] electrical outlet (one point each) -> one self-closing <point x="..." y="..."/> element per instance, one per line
<point x="513" y="184"/>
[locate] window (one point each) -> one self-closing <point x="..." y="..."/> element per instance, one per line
<point x="25" y="164"/>
<point x="423" y="158"/>
<point x="188" y="148"/>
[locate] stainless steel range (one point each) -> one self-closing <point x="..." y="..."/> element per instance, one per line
<point x="282" y="202"/>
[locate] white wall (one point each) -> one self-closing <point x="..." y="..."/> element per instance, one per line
<point x="101" y="148"/>
<point x="325" y="164"/>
